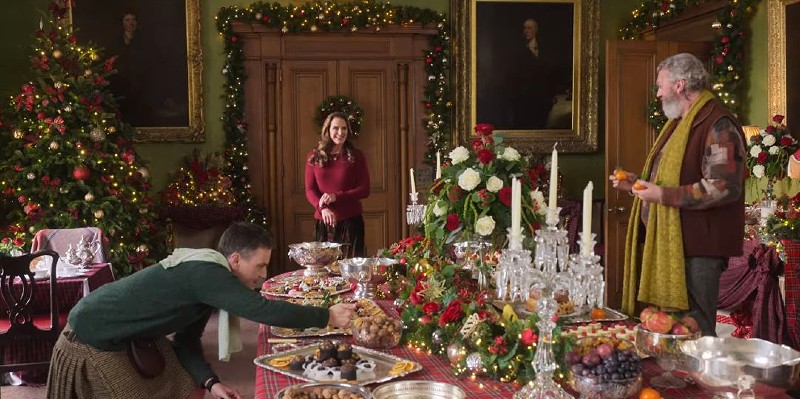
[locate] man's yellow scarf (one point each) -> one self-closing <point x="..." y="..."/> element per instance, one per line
<point x="663" y="279"/>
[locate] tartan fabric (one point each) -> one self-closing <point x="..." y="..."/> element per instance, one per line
<point x="80" y="371"/>
<point x="792" y="275"/>
<point x="69" y="292"/>
<point x="750" y="284"/>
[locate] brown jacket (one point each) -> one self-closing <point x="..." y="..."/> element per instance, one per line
<point x="717" y="231"/>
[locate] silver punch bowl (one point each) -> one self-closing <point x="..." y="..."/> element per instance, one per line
<point x="722" y="364"/>
<point x="315" y="255"/>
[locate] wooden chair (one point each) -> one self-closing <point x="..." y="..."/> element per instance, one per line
<point x="22" y="327"/>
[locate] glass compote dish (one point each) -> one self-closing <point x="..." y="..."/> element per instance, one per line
<point x="666" y="349"/>
<point x="604" y="368"/>
<point x="314" y="256"/>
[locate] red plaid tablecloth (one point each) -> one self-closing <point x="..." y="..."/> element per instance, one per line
<point x="435" y="368"/>
<point x="69" y="291"/>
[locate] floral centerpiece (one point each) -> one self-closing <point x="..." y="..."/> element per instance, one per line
<point x="13" y="241"/>
<point x="784" y="223"/>
<point x="473" y="196"/>
<point x="769" y="151"/>
<point x="446" y="314"/>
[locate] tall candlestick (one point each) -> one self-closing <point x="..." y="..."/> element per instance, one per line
<point x="587" y="219"/>
<point x="413" y="183"/>
<point x="41" y="24"/>
<point x="551" y="204"/>
<point x="438" y="165"/>
<point x="516" y="205"/>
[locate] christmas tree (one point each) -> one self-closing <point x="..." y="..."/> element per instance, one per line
<point x="67" y="159"/>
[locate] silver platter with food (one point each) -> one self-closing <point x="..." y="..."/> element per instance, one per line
<point x="308" y="287"/>
<point x="332" y="390"/>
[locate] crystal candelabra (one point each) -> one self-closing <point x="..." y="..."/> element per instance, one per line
<point x="414" y="212"/>
<point x="550" y="272"/>
<point x="587" y="286"/>
<point x="514" y="273"/>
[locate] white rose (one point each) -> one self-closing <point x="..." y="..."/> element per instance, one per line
<point x="439" y="210"/>
<point x="469" y="179"/>
<point x="494" y="184"/>
<point x="755" y="150"/>
<point x="485" y="225"/>
<point x="537" y="197"/>
<point x="774" y="149"/>
<point x="769" y="140"/>
<point x="510" y="154"/>
<point x="458" y="155"/>
<point x="758" y="171"/>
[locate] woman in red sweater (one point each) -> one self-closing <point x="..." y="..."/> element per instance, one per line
<point x="337" y="180"/>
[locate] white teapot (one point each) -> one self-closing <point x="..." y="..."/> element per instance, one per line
<point x="86" y="250"/>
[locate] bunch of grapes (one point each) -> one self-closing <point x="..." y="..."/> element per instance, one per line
<point x="604" y="363"/>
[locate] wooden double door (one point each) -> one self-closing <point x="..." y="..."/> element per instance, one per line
<point x="371" y="83"/>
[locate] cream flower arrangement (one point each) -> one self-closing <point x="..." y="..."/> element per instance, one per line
<point x="473" y="196"/>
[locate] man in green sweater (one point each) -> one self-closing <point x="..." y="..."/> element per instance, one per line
<point x="176" y="296"/>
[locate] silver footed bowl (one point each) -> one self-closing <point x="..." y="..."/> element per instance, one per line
<point x="315" y="255"/>
<point x="368" y="272"/>
<point x="723" y="364"/>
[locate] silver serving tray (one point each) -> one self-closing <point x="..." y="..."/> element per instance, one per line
<point x="335" y="385"/>
<point x="284" y="332"/>
<point x="383" y="364"/>
<point x="586" y="317"/>
<point x="414" y="389"/>
<point x="274" y="289"/>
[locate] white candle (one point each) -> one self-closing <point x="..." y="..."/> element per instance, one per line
<point x="553" y="183"/>
<point x="516" y="205"/>
<point x="438" y="165"/>
<point x="587" y="219"/>
<point x="413" y="184"/>
<point x="41" y="24"/>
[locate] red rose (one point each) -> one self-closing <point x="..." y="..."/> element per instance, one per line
<point x="762" y="157"/>
<point x="484" y="129"/>
<point x="19" y="241"/>
<point x="477" y="144"/>
<point x="452" y="314"/>
<point x="505" y="195"/>
<point x="770" y="129"/>
<point x="6" y="240"/>
<point x="488" y="140"/>
<point x="778" y="118"/>
<point x="415" y="296"/>
<point x="528" y="337"/>
<point x="786" y="140"/>
<point x="485" y="156"/>
<point x="452" y="222"/>
<point x="431" y="307"/>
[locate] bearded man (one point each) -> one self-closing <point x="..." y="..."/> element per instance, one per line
<point x="688" y="214"/>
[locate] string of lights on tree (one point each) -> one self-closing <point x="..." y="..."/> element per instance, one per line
<point x="68" y="159"/>
<point x="326" y="16"/>
<point x="727" y="54"/>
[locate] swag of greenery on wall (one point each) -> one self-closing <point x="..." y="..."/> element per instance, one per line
<point x="729" y="42"/>
<point x="326" y="16"/>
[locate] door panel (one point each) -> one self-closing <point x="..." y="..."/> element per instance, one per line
<point x="305" y="84"/>
<point x="371" y="84"/>
<point x="630" y="77"/>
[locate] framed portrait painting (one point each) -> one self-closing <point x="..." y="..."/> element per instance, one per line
<point x="783" y="28"/>
<point x="530" y="68"/>
<point x="158" y="83"/>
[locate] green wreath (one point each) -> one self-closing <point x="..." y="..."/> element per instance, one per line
<point x="355" y="115"/>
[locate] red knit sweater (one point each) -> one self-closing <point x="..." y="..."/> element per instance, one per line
<point x="349" y="181"/>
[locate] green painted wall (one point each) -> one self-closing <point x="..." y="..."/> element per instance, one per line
<point x="18" y="20"/>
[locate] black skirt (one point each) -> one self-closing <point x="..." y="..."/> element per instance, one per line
<point x="349" y="232"/>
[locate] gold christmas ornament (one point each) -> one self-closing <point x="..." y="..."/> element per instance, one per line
<point x="18" y="134"/>
<point x="143" y="249"/>
<point x="89" y="197"/>
<point x="87" y="72"/>
<point x="32" y="229"/>
<point x="97" y="134"/>
<point x="98" y="214"/>
<point x="143" y="211"/>
<point x="57" y="54"/>
<point x="54" y="145"/>
<point x="111" y="129"/>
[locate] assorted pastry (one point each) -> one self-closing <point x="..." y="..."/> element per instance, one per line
<point x="330" y="361"/>
<point x="319" y="392"/>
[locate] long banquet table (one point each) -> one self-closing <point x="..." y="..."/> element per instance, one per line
<point x="434" y="368"/>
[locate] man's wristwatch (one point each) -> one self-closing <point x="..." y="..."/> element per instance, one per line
<point x="210" y="383"/>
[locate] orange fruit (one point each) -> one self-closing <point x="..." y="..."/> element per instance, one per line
<point x="598" y="313"/>
<point x="620" y="174"/>
<point x="649" y="393"/>
<point x="639" y="186"/>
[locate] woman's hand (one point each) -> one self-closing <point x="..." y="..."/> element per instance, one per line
<point x="222" y="391"/>
<point x="340" y="314"/>
<point x="327" y="199"/>
<point x="647" y="191"/>
<point x="328" y="217"/>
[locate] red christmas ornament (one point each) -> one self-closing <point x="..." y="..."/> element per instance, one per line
<point x="428" y="60"/>
<point x="719" y="59"/>
<point x="234" y="39"/>
<point x="265" y="18"/>
<point x="724" y="40"/>
<point x="81" y="173"/>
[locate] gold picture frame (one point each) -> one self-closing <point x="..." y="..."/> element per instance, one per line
<point x="776" y="58"/>
<point x="584" y="24"/>
<point x="168" y="102"/>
